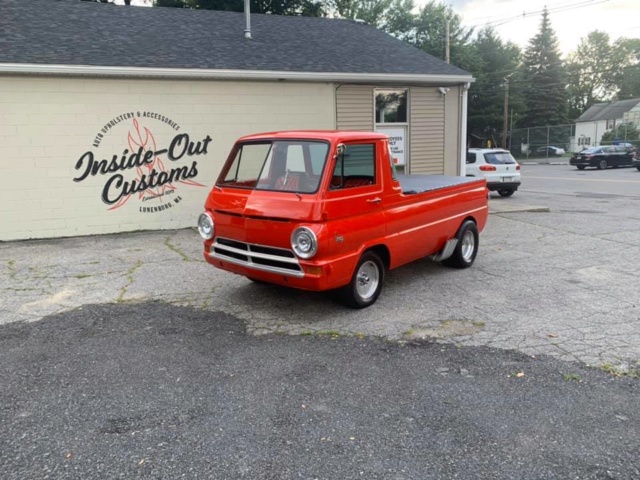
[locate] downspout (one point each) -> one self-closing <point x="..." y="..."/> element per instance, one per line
<point x="247" y="16"/>
<point x="463" y="130"/>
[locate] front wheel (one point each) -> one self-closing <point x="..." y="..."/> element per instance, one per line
<point x="467" y="247"/>
<point x="366" y="283"/>
<point x="506" y="192"/>
<point x="602" y="164"/>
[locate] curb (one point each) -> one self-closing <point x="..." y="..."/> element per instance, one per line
<point x="517" y="209"/>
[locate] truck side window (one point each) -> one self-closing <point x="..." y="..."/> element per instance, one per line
<point x="356" y="168"/>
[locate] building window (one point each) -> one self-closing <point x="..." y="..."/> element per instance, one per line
<point x="391" y="106"/>
<point x="611" y="124"/>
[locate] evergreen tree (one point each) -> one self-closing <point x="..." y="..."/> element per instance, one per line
<point x="546" y="98"/>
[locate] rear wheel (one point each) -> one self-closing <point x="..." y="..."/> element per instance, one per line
<point x="580" y="167"/>
<point x="506" y="192"/>
<point x="467" y="247"/>
<point x="638" y="168"/>
<point x="366" y="283"/>
<point x="602" y="164"/>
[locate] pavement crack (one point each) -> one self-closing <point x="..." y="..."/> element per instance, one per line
<point x="175" y="249"/>
<point x="130" y="274"/>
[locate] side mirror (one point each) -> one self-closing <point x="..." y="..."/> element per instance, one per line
<point x="342" y="148"/>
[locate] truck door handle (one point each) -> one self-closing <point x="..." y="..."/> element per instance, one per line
<point x="374" y="200"/>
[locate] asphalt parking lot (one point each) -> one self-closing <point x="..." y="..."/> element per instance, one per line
<point x="127" y="356"/>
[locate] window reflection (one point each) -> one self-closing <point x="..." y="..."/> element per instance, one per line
<point x="391" y="106"/>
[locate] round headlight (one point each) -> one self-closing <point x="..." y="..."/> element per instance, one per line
<point x="205" y="226"/>
<point x="304" y="242"/>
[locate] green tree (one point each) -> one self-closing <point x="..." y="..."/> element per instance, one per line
<point x="495" y="67"/>
<point x="625" y="132"/>
<point x="627" y="76"/>
<point x="373" y="12"/>
<point x="430" y="34"/>
<point x="546" y="98"/>
<point x="400" y="21"/>
<point x="126" y="2"/>
<point x="590" y="72"/>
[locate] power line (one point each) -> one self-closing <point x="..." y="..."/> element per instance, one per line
<point x="559" y="8"/>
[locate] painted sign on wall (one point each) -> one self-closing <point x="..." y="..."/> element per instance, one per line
<point x="146" y="170"/>
<point x="396" y="142"/>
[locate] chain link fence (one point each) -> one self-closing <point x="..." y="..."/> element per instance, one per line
<point x="555" y="141"/>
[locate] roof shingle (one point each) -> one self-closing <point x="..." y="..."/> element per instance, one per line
<point x="56" y="32"/>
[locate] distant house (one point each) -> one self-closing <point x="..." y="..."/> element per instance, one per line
<point x="84" y="86"/>
<point x="602" y="117"/>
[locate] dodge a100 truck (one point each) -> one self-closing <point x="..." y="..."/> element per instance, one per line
<point x="325" y="210"/>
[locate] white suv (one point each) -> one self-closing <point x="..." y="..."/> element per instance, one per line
<point x="496" y="165"/>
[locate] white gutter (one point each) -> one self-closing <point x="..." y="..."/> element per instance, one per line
<point x="463" y="130"/>
<point x="190" y="73"/>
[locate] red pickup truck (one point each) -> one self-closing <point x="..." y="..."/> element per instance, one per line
<point x="324" y="210"/>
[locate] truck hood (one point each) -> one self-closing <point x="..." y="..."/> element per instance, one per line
<point x="264" y="204"/>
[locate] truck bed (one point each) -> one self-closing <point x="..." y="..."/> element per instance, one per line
<point x="413" y="184"/>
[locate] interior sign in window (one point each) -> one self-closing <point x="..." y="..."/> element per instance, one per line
<point x="396" y="142"/>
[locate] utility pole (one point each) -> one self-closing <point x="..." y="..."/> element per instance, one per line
<point x="505" y="122"/>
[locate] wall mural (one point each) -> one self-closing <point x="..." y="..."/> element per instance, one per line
<point x="146" y="172"/>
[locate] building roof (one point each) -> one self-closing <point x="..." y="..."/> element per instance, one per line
<point x="608" y="110"/>
<point x="332" y="135"/>
<point x="76" y="34"/>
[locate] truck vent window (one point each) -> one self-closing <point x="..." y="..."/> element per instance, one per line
<point x="356" y="168"/>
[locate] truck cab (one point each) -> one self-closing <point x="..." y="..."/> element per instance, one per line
<point x="325" y="210"/>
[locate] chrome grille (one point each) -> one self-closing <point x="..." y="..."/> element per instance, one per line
<point x="259" y="257"/>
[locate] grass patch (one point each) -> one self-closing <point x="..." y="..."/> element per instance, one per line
<point x="620" y="372"/>
<point x="572" y="377"/>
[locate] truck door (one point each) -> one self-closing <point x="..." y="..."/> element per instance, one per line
<point x="354" y="199"/>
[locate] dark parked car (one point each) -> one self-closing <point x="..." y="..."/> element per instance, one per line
<point x="602" y="157"/>
<point x="636" y="159"/>
<point x="550" y="151"/>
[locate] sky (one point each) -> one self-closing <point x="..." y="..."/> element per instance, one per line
<point x="519" y="20"/>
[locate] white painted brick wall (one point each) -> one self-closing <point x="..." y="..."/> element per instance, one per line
<point x="47" y="124"/>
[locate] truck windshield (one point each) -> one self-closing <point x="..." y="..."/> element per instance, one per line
<point x="280" y="165"/>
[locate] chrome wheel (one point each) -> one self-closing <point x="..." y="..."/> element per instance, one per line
<point x="468" y="246"/>
<point x="367" y="280"/>
<point x="366" y="283"/>
<point x="602" y="165"/>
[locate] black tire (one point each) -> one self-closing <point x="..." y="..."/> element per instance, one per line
<point x="506" y="192"/>
<point x="580" y="167"/>
<point x="602" y="164"/>
<point x="366" y="284"/>
<point x="638" y="168"/>
<point x="255" y="280"/>
<point x="467" y="248"/>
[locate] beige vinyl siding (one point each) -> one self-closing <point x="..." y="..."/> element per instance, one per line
<point x="354" y="107"/>
<point x="426" y="130"/>
<point x="452" y="133"/>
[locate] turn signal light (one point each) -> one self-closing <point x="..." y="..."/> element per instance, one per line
<point x="487" y="168"/>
